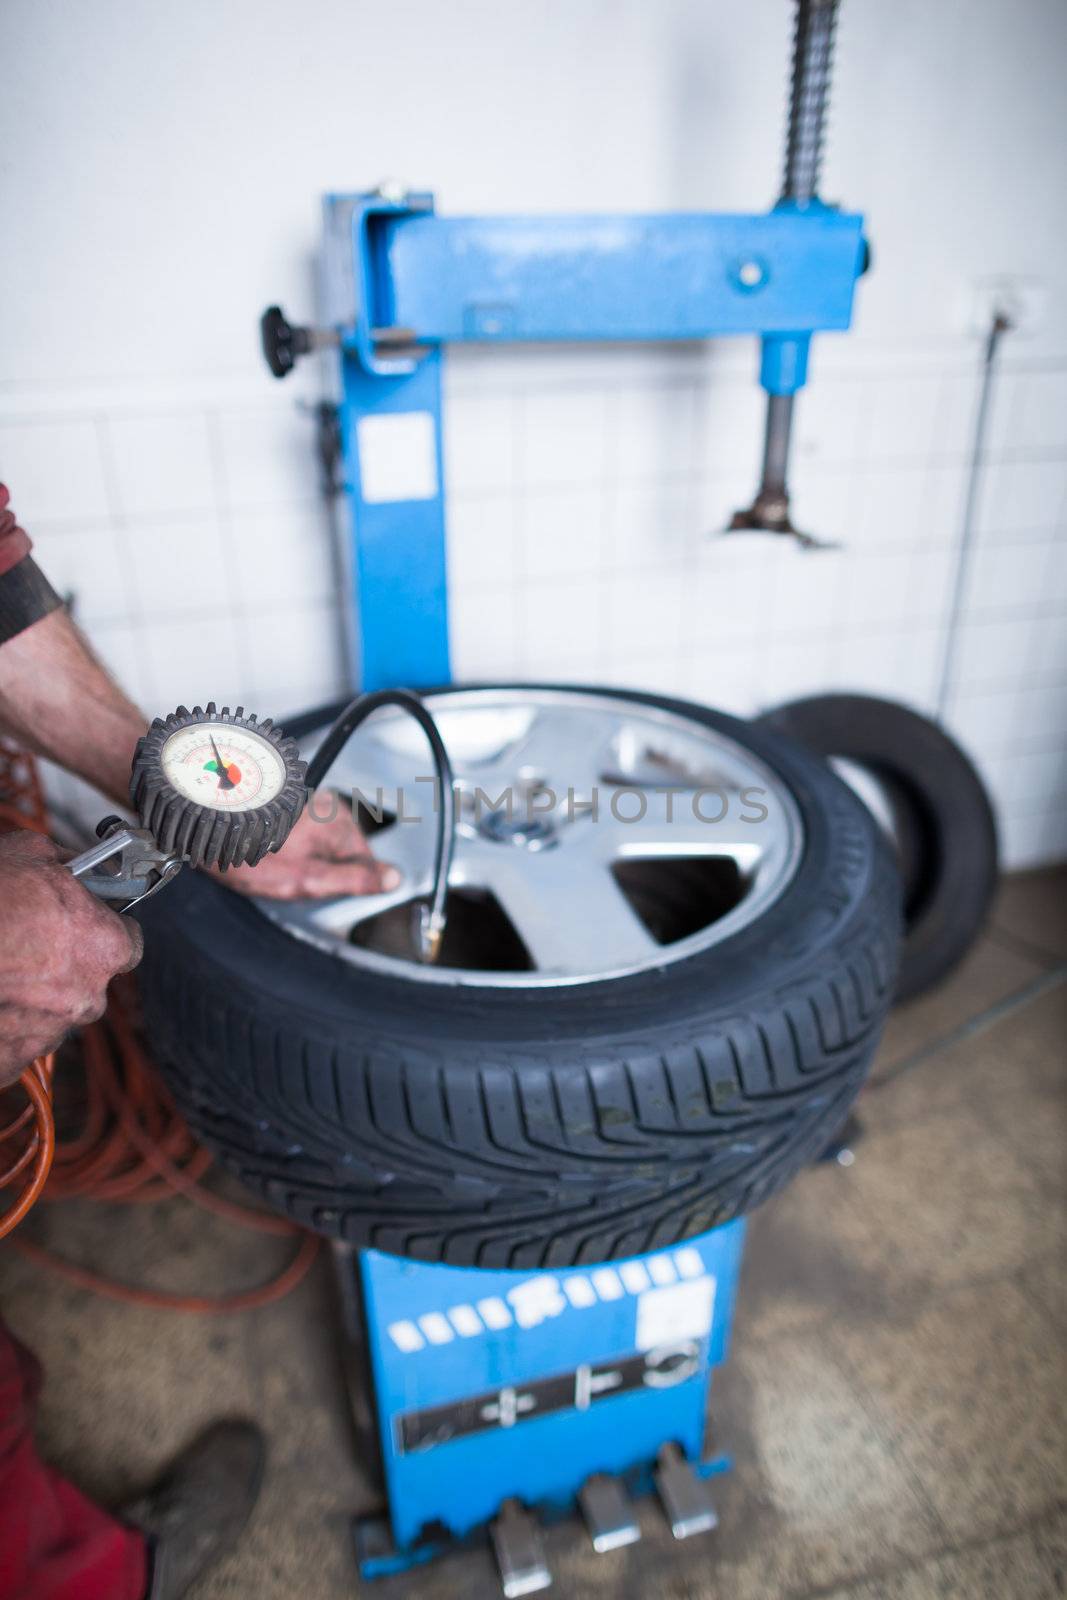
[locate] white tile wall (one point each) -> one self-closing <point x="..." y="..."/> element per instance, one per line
<point x="59" y="468"/>
<point x="563" y="534"/>
<point x="653" y="432"/>
<point x="483" y="541"/>
<point x="265" y="457"/>
<point x="487" y="632"/>
<point x="587" y="501"/>
<point x="564" y="438"/>
<point x="1023" y="496"/>
<point x="161" y="465"/>
<point x="179" y="561"/>
<point x="480" y="440"/>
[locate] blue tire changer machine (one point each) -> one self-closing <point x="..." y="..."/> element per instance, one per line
<point x="497" y="1396"/>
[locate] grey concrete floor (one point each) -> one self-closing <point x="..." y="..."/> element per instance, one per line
<point x="896" y="1393"/>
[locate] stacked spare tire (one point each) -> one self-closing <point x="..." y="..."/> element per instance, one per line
<point x="932" y="804"/>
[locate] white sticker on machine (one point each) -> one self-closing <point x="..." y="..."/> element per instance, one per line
<point x="679" y="1311"/>
<point x="397" y="456"/>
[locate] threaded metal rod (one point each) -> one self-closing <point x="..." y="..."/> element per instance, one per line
<point x="813" y="50"/>
<point x="776" y="445"/>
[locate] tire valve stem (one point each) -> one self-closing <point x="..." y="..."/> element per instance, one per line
<point x="429" y="916"/>
<point x="430" y="931"/>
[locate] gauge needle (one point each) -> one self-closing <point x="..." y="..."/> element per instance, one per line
<point x="225" y="781"/>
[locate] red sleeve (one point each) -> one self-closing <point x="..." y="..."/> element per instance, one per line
<point x="14" y="544"/>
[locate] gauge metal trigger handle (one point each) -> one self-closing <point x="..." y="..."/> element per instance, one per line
<point x="127" y="864"/>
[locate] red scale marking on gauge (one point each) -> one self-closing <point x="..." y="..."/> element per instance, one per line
<point x="242" y="783"/>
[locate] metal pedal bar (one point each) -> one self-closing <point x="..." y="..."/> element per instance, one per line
<point x="686" y="1497"/>
<point x="520" y="1553"/>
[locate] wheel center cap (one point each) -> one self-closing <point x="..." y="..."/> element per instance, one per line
<point x="529" y="832"/>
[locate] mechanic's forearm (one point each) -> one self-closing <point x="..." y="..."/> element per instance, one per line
<point x="58" y="700"/>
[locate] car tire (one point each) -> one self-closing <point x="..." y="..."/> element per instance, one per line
<point x="943" y="821"/>
<point x="488" y="1127"/>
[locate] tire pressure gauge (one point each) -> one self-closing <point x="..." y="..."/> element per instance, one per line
<point x="217" y="788"/>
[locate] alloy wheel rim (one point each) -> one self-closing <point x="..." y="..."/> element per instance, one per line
<point x="584" y="818"/>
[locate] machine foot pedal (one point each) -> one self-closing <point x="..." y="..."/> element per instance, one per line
<point x="607" y="1513"/>
<point x="686" y="1497"/>
<point x="519" y="1552"/>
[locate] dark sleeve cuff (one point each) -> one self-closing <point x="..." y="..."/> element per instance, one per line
<point x="25" y="597"/>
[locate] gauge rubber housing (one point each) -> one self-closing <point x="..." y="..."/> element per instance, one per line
<point x="202" y="835"/>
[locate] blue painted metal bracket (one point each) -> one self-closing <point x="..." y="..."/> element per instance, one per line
<point x="680" y="275"/>
<point x="391" y="438"/>
<point x="485" y="280"/>
<point x="403" y="282"/>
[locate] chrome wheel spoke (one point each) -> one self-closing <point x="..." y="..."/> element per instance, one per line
<point x="565" y="749"/>
<point x="674" y="823"/>
<point x="568" y="911"/>
<point x="340" y="915"/>
<point x="407" y="845"/>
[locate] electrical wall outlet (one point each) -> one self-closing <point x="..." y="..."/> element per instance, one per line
<point x="1021" y="299"/>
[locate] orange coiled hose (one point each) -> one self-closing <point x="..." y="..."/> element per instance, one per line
<point x="39" y="1146"/>
<point x="131" y="1146"/>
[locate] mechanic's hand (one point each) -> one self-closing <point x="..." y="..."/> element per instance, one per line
<point x="59" y="949"/>
<point x="320" y="858"/>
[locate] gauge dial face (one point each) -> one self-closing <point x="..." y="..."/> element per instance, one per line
<point x="223" y="767"/>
